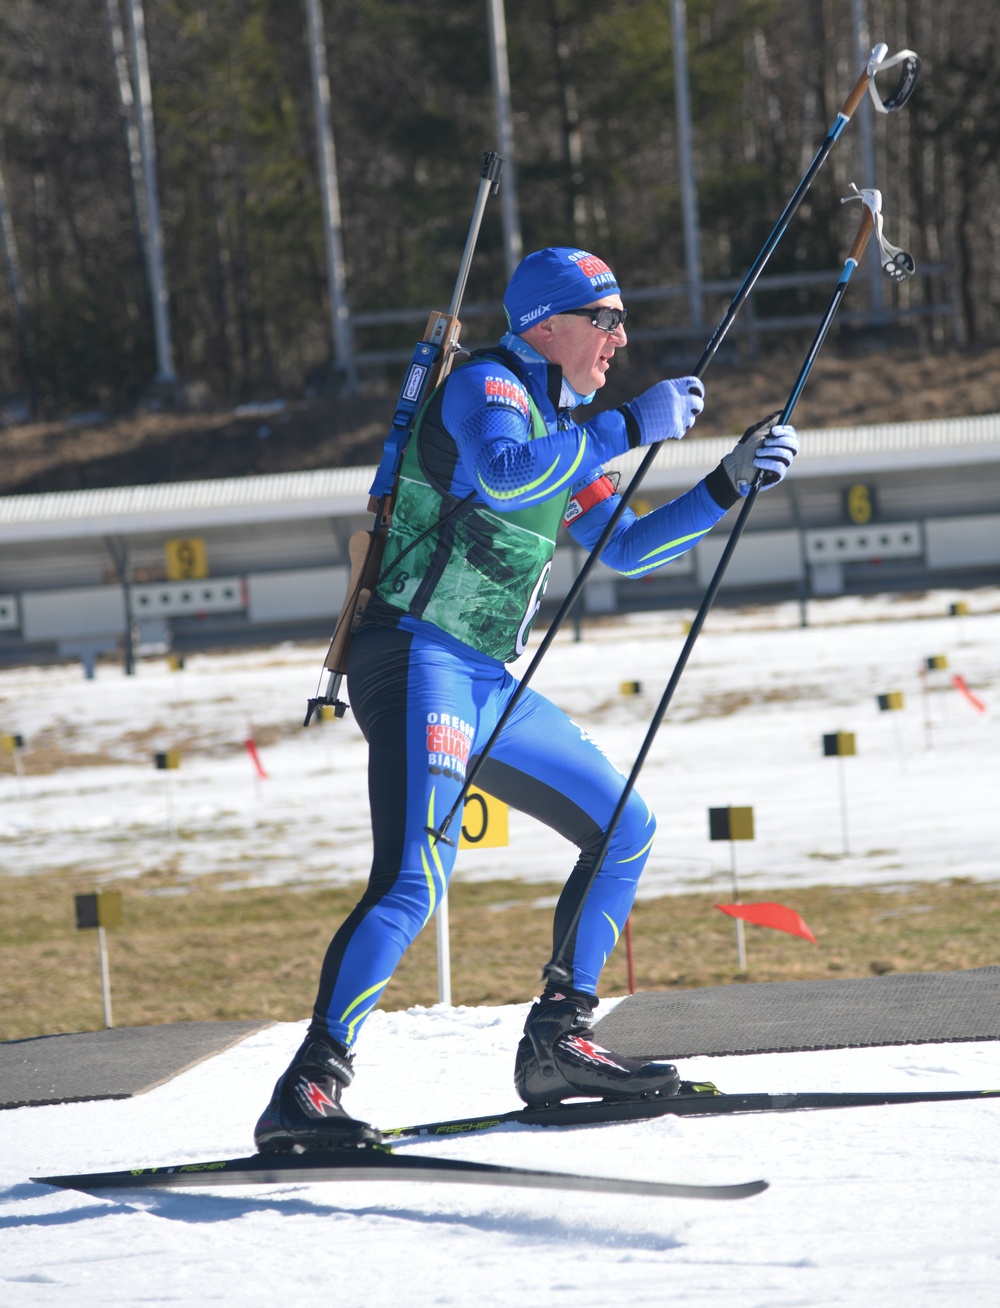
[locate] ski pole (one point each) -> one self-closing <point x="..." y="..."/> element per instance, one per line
<point x="877" y="62"/>
<point x="896" y="264"/>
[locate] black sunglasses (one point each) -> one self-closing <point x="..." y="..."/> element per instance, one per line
<point x="605" y="318"/>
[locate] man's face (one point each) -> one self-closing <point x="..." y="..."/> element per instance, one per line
<point x="583" y="351"/>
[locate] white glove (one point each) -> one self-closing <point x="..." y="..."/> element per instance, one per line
<point x="765" y="449"/>
<point x="666" y="411"/>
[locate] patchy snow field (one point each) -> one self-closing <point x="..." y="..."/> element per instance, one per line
<point x="918" y="801"/>
<point x="887" y="1206"/>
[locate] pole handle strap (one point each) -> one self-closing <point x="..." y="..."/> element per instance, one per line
<point x="909" y="65"/>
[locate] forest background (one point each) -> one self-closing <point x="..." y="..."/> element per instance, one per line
<point x="596" y="154"/>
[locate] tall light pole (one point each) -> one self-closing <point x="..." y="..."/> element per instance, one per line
<point x="9" y="242"/>
<point x="689" y="190"/>
<point x="126" y="95"/>
<point x="500" y="73"/>
<point x="340" y="314"/>
<point x="154" y="247"/>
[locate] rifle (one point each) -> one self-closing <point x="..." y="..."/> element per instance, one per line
<point x="431" y="362"/>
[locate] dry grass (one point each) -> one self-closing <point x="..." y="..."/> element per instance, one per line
<point x="192" y="951"/>
<point x="61" y="746"/>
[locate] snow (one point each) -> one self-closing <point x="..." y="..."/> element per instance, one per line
<point x="888" y="1205"/>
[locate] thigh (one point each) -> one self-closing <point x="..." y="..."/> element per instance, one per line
<point x="421" y="707"/>
<point x="545" y="765"/>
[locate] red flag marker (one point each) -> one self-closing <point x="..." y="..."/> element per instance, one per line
<point x="255" y="757"/>
<point x="959" y="684"/>
<point x="770" y="915"/>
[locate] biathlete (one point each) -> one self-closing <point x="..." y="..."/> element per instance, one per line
<point x="497" y="462"/>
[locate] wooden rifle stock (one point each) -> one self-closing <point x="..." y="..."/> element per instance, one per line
<point x="366" y="548"/>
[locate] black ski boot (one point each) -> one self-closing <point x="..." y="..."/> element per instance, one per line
<point x="305" y="1110"/>
<point x="558" y="1058"/>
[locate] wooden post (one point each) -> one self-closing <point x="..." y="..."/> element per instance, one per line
<point x="443" y="952"/>
<point x="733" y="824"/>
<point x="839" y="744"/>
<point x="102" y="947"/>
<point x="101" y="910"/>
<point x="630" y="956"/>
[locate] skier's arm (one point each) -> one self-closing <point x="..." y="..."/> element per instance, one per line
<point x="488" y="415"/>
<point x="642" y="544"/>
<point x="486" y="410"/>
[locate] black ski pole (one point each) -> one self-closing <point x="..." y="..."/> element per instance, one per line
<point x="877" y="62"/>
<point x="896" y="264"/>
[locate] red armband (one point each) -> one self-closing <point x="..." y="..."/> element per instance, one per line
<point x="601" y="489"/>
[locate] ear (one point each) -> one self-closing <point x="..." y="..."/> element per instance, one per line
<point x="541" y="335"/>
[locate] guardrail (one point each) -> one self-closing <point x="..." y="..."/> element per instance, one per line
<point x="750" y="325"/>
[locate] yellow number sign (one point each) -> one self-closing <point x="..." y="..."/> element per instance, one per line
<point x="484" y="822"/>
<point x="860" y="504"/>
<point x="187" y="559"/>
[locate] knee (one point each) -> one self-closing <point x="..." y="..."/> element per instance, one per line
<point x="633" y="837"/>
<point x="407" y="905"/>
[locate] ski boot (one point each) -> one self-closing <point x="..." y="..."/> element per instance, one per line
<point x="559" y="1058"/>
<point x="305" y="1111"/>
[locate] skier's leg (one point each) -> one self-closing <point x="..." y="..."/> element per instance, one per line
<point x="417" y="704"/>
<point x="547" y="766"/>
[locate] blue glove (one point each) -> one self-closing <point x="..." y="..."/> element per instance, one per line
<point x="762" y="448"/>
<point x="664" y="412"/>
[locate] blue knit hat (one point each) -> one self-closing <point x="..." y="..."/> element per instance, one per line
<point x="553" y="280"/>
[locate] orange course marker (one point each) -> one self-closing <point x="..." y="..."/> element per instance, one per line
<point x="770" y="915"/>
<point x="960" y="685"/>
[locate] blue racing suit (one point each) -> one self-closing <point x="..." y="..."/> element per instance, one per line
<point x="493" y="443"/>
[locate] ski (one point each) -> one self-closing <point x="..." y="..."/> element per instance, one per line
<point x="377" y="1163"/>
<point x="381" y="1163"/>
<point x="695" y="1100"/>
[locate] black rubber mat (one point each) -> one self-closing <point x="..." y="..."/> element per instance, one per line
<point x="112" y="1064"/>
<point x="904" y="1008"/>
<point x="898" y="1009"/>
